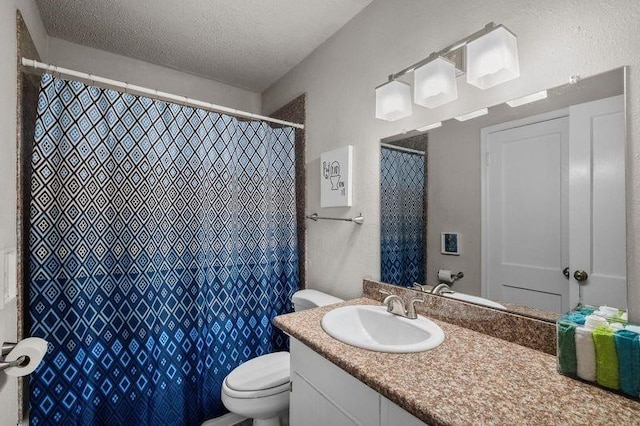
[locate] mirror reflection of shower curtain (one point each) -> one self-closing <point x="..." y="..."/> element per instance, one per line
<point x="402" y="218"/>
<point x="162" y="244"/>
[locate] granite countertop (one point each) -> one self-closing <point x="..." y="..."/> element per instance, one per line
<point x="469" y="378"/>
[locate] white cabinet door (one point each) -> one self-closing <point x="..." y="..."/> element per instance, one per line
<point x="323" y="394"/>
<point x="310" y="407"/>
<point x="526" y="214"/>
<point x="597" y="201"/>
<point x="392" y="415"/>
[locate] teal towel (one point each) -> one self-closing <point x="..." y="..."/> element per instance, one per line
<point x="586" y="310"/>
<point x="575" y="317"/>
<point x="566" y="347"/>
<point x="606" y="358"/>
<point x="628" y="348"/>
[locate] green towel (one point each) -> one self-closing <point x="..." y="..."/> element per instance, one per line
<point x="567" y="347"/>
<point x="606" y="358"/>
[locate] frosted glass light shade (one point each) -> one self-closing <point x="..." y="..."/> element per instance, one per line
<point x="393" y="101"/>
<point x="492" y="59"/>
<point x="435" y="83"/>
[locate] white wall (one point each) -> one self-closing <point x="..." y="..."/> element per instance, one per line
<point x="556" y="39"/>
<point x="117" y="67"/>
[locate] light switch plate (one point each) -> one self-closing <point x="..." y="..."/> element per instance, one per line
<point x="8" y="276"/>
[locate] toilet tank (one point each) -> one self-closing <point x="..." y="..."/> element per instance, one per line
<point x="308" y="299"/>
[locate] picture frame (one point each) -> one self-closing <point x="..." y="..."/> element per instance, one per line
<point x="450" y="243"/>
<point x="336" y="177"/>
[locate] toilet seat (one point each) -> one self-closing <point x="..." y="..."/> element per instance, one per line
<point x="259" y="377"/>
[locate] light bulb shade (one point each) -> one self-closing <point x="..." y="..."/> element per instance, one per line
<point x="435" y="83"/>
<point x="393" y="101"/>
<point x="492" y="59"/>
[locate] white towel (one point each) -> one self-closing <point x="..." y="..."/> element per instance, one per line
<point x="585" y="354"/>
<point x="608" y="311"/>
<point x="593" y="321"/>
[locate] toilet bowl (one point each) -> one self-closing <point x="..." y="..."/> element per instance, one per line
<point x="259" y="388"/>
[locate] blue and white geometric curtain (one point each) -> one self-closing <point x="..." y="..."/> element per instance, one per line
<point x="163" y="242"/>
<point x="402" y="223"/>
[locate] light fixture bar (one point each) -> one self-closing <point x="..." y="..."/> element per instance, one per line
<point x="528" y="99"/>
<point x="430" y="126"/>
<point x="453" y="47"/>
<point x="471" y="115"/>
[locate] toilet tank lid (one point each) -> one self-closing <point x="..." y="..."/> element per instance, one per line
<point x="314" y="298"/>
<point x="263" y="372"/>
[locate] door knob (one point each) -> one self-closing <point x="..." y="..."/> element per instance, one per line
<point x="565" y="272"/>
<point x="580" y="275"/>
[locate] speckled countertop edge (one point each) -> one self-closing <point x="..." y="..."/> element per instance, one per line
<point x="471" y="378"/>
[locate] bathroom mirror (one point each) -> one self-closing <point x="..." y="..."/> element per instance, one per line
<point x="527" y="201"/>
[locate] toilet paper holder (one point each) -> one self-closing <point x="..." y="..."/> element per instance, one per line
<point x="6" y="348"/>
<point x="457" y="276"/>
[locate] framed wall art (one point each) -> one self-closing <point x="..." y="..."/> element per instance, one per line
<point x="336" y="183"/>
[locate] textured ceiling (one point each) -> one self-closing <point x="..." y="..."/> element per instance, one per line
<point x="246" y="43"/>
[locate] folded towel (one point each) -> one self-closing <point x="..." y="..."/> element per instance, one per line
<point x="566" y="347"/>
<point x="585" y="310"/>
<point x="585" y="354"/>
<point x="606" y="358"/>
<point x="608" y="311"/>
<point x="593" y="321"/>
<point x="628" y="348"/>
<point x="634" y="328"/>
<point x="575" y="317"/>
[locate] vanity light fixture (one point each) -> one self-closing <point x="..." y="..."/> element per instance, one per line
<point x="488" y="57"/>
<point x="528" y="99"/>
<point x="474" y="114"/>
<point x="434" y="83"/>
<point x="493" y="58"/>
<point x="393" y="101"/>
<point x="430" y="126"/>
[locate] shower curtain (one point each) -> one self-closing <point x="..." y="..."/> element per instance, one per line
<point x="402" y="221"/>
<point x="162" y="244"/>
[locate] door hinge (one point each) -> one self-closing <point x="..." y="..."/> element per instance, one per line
<point x="487" y="158"/>
<point x="290" y="386"/>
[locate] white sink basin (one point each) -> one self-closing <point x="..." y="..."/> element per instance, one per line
<point x="474" y="299"/>
<point x="373" y="328"/>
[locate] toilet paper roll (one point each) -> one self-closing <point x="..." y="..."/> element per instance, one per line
<point x="33" y="348"/>
<point x="445" y="276"/>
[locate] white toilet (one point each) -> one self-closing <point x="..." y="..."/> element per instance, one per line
<point x="259" y="388"/>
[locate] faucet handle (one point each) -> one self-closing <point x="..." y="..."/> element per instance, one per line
<point x="411" y="308"/>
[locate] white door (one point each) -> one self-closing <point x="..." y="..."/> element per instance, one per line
<point x="526" y="213"/>
<point x="597" y="201"/>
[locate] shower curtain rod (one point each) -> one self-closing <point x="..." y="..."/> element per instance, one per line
<point x="154" y="93"/>
<point x="401" y="148"/>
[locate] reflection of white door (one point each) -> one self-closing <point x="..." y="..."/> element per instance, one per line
<point x="526" y="214"/>
<point x="597" y="201"/>
<point x="554" y="198"/>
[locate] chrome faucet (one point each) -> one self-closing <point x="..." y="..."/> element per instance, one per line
<point x="395" y="304"/>
<point x="441" y="288"/>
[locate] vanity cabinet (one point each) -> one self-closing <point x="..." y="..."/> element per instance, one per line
<point x="323" y="394"/>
